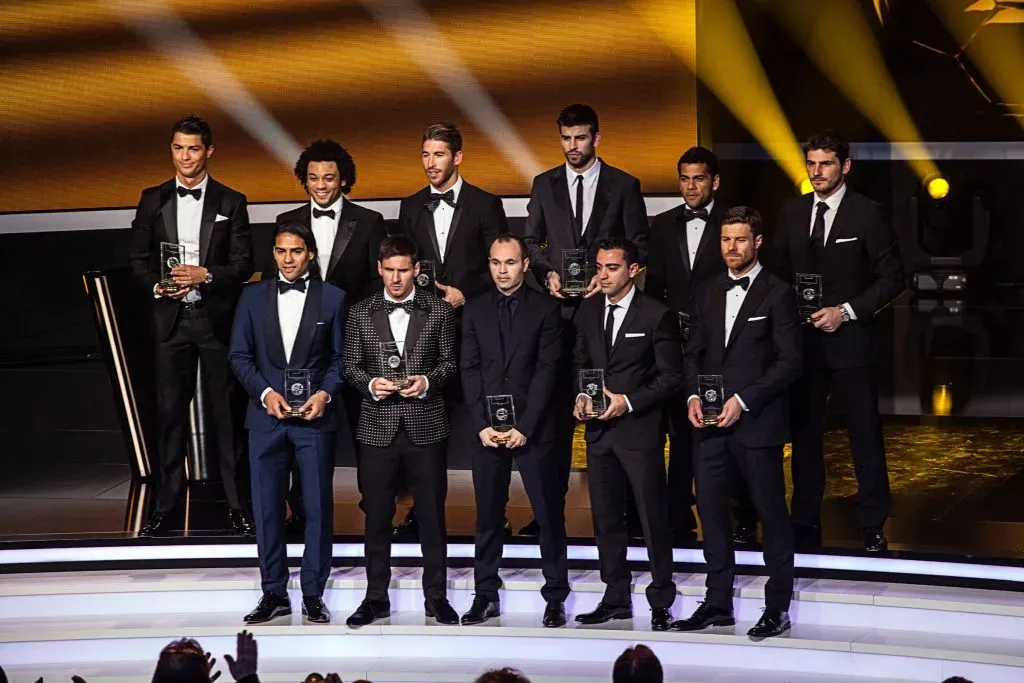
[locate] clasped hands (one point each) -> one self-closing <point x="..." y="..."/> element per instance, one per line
<point x="186" y="277"/>
<point x="617" y="406"/>
<point x="312" y="409"/>
<point x="382" y="388"/>
<point x="730" y="415"/>
<point x="554" y="281"/>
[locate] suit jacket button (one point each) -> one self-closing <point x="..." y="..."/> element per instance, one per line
<point x="506" y="379"/>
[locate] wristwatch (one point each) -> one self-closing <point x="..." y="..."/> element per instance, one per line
<point x="844" y="314"/>
<point x="209" y="278"/>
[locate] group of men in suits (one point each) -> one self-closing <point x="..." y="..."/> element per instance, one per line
<point x="343" y="303"/>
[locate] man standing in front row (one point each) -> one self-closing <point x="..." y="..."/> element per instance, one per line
<point x="747" y="332"/>
<point x="511" y="346"/>
<point x="402" y="427"/>
<point x="292" y="322"/>
<point x="635" y="340"/>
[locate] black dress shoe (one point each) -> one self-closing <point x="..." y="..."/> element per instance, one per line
<point x="506" y="528"/>
<point x="660" y="618"/>
<point x="295" y="524"/>
<point x="368" y="612"/>
<point x="158" y="523"/>
<point x="315" y="611"/>
<point x="875" y="541"/>
<point x="408" y="527"/>
<point x="704" y="616"/>
<point x="772" y="623"/>
<point x="241" y="522"/>
<point x="605" y="612"/>
<point x="745" y="534"/>
<point x="554" y="614"/>
<point x="806" y="537"/>
<point x="441" y="610"/>
<point x="481" y="610"/>
<point x="268" y="608"/>
<point x="531" y="528"/>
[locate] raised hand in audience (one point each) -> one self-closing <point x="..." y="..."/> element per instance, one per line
<point x="244" y="662"/>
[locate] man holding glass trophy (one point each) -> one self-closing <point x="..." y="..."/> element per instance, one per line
<point x="629" y="362"/>
<point x="742" y="357"/>
<point x="511" y="349"/>
<point x="286" y="350"/>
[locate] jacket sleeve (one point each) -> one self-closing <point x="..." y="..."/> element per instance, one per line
<point x="378" y="231"/>
<point x="656" y="281"/>
<point x="696" y="345"/>
<point x="634" y="218"/>
<point x="535" y="234"/>
<point x="787" y="366"/>
<point x="668" y="359"/>
<point x="469" y="369"/>
<point x="141" y="255"/>
<point x="239" y="267"/>
<point x="242" y="349"/>
<point x="890" y="278"/>
<point x="542" y="384"/>
<point x="354" y="362"/>
<point x="332" y="378"/>
<point x="447" y="366"/>
<point x="494" y="223"/>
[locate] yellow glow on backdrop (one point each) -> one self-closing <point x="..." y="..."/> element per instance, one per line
<point x="806" y="187"/>
<point x="863" y="76"/>
<point x="731" y="70"/>
<point x="942" y="400"/>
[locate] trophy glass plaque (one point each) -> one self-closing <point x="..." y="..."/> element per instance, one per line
<point x="297" y="390"/>
<point x="393" y="362"/>
<point x="592" y="386"/>
<point x="575" y="273"/>
<point x="711" y="390"/>
<point x="685" y="320"/>
<point x="502" y="412"/>
<point x="808" y="294"/>
<point x="426" y="277"/>
<point x="171" y="256"/>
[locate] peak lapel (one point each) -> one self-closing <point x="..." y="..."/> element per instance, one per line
<point x="211" y="204"/>
<point x="347" y="225"/>
<point x="307" y="324"/>
<point x="272" y="328"/>
<point x="169" y="211"/>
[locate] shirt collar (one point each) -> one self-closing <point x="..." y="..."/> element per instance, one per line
<point x="709" y="206"/>
<point x="752" y="273"/>
<point x="282" y="278"/>
<point x="833" y="201"/>
<point x="388" y="297"/>
<point x="625" y="301"/>
<point x="456" y="189"/>
<point x="516" y="295"/>
<point x="201" y="186"/>
<point x="336" y="206"/>
<point x="589" y="176"/>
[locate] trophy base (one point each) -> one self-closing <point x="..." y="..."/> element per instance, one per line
<point x="710" y="421"/>
<point x="402" y="384"/>
<point x="170" y="286"/>
<point x="295" y="413"/>
<point x="501" y="438"/>
<point x="572" y="294"/>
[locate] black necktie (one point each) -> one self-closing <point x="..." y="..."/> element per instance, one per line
<point x="318" y="213"/>
<point x="392" y="306"/>
<point x="506" y="310"/>
<point x="609" y="328"/>
<point x="435" y="199"/>
<point x="818" y="231"/>
<point x="743" y="282"/>
<point x="285" y="286"/>
<point x="579" y="206"/>
<point x="690" y="214"/>
<point x="184" y="191"/>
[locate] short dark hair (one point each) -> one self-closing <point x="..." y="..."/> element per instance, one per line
<point x="507" y="238"/>
<point x="446" y="132"/>
<point x="743" y="214"/>
<point x="578" y="115"/>
<point x="957" y="679"/>
<point x="182" y="661"/>
<point x="327" y="150"/>
<point x="303" y="232"/>
<point x="629" y="249"/>
<point x="397" y="245"/>
<point x="829" y="141"/>
<point x="699" y="155"/>
<point x="505" y="675"/>
<point x="637" y="665"/>
<point x="193" y="125"/>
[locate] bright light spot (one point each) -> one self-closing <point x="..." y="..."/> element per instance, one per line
<point x="938" y="187"/>
<point x="806" y="187"/>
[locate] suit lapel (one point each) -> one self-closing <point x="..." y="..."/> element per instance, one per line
<point x="307" y="324"/>
<point x="560" y="192"/>
<point x="712" y="233"/>
<point x="631" y="314"/>
<point x="840" y="220"/>
<point x="426" y="224"/>
<point x="169" y="212"/>
<point x="753" y="299"/>
<point x="417" y="321"/>
<point x="272" y="328"/>
<point x="600" y="207"/>
<point x="346" y="228"/>
<point x="210" y="205"/>
<point x="682" y="238"/>
<point x="456" y="216"/>
<point x="379" y="319"/>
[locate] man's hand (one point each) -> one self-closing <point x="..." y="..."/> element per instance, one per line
<point x="180" y="294"/>
<point x="382" y="388"/>
<point x="276" y="405"/>
<point x="189" y="275"/>
<point x="418" y="386"/>
<point x="554" y="281"/>
<point x="731" y="413"/>
<point x="617" y="406"/>
<point x="584" y="408"/>
<point x="452" y="294"/>
<point x="315" y="406"/>
<point x="828" y="319"/>
<point x="695" y="413"/>
<point x="246" y="653"/>
<point x="487" y="436"/>
<point x="593" y="288"/>
<point x="211" y="662"/>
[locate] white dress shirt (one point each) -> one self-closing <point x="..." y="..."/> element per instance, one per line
<point x="620" y="315"/>
<point x="695" y="232"/>
<point x="733" y="302"/>
<point x="189" y="211"/>
<point x="325" y="229"/>
<point x="443" y="215"/>
<point x="590" y="178"/>
<point x="289" y="315"/>
<point x="833" y="203"/>
<point x="398" y="319"/>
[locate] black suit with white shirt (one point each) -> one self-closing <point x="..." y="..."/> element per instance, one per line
<point x="751" y="337"/>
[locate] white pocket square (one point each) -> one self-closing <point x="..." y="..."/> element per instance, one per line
<point x="224" y="218"/>
<point x="634" y="335"/>
<point x="760" y="317"/>
<point x="840" y="240"/>
<point x="321" y="323"/>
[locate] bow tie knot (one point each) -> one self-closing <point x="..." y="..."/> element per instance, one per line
<point x="392" y="306"/>
<point x="692" y="214"/>
<point x="435" y="199"/>
<point x="184" y="192"/>
<point x="742" y="282"/>
<point x="285" y="286"/>
<point x="320" y="213"/>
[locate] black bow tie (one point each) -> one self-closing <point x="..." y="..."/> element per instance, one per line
<point x="392" y="306"/>
<point x="689" y="214"/>
<point x="183" y="191"/>
<point x="317" y="213"/>
<point x="284" y="286"/>
<point x="743" y="282"/>
<point x="435" y="199"/>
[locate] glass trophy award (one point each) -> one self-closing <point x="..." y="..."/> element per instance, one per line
<point x="393" y="362"/>
<point x="711" y="390"/>
<point x="592" y="386"/>
<point x="685" y="320"/>
<point x="426" y="276"/>
<point x="502" y="412"/>
<point x="297" y="390"/>
<point x="808" y="294"/>
<point x="171" y="256"/>
<point x="575" y="272"/>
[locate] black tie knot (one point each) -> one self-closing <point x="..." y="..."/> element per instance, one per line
<point x="435" y="199"/>
<point x="392" y="306"/>
<point x="285" y="286"/>
<point x="691" y="214"/>
<point x="197" y="193"/>
<point x="822" y="208"/>
<point x="743" y="282"/>
<point x="320" y="213"/>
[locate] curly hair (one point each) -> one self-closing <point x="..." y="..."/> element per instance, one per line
<point x="327" y="150"/>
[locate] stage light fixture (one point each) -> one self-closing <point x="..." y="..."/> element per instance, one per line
<point x="938" y="187"/>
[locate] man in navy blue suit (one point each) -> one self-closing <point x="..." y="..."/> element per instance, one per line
<point x="294" y="321"/>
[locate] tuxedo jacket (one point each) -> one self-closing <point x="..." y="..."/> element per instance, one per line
<point x="525" y="365"/>
<point x="225" y="249"/>
<point x="760" y="360"/>
<point x="479" y="217"/>
<point x="353" y="265"/>
<point x="619" y="211"/>
<point x="257" y="357"/>
<point x="861" y="265"/>
<point x="645" y="364"/>
<point x="429" y="351"/>
<point x="669" y="275"/>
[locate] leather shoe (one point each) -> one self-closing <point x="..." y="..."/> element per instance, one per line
<point x="315" y="611"/>
<point x="408" y="527"/>
<point x="441" y="610"/>
<point x="745" y="534"/>
<point x="605" y="612"/>
<point x="875" y="541"/>
<point x="554" y="614"/>
<point x="481" y="610"/>
<point x="368" y="612"/>
<point x="268" y="608"/>
<point x="241" y="522"/>
<point x="773" y="622"/>
<point x="158" y="523"/>
<point x="531" y="528"/>
<point x="704" y="616"/>
<point x="660" y="618"/>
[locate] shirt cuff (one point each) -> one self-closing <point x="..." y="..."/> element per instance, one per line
<point x="742" y="404"/>
<point x="849" y="309"/>
<point x="628" y="404"/>
<point x="691" y="397"/>
<point x="264" y="395"/>
<point x="427" y="382"/>
<point x="369" y="387"/>
<point x="155" y="295"/>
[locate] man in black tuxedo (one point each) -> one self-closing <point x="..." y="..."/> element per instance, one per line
<point x="402" y="428"/>
<point x="574" y="206"/>
<point x="511" y="346"/>
<point x="635" y="340"/>
<point x="748" y="333"/>
<point x="848" y="240"/>
<point x="193" y="316"/>
<point x="685" y="256"/>
<point x="293" y="322"/>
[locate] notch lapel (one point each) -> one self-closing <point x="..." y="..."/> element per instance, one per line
<point x="211" y="203"/>
<point x="602" y="199"/>
<point x="169" y="212"/>
<point x="840" y="220"/>
<point x="272" y="328"/>
<point x="560" y="193"/>
<point x="307" y="324"/>
<point x="631" y="314"/>
<point x="753" y="299"/>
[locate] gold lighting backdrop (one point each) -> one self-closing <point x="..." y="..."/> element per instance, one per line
<point x="90" y="88"/>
